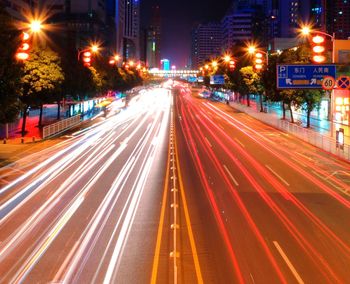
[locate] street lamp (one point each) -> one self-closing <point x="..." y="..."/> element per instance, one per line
<point x="35" y="26"/>
<point x="251" y="49"/>
<point x="227" y="58"/>
<point x="93" y="48"/>
<point x="306" y="31"/>
<point x="258" y="54"/>
<point x="214" y="64"/>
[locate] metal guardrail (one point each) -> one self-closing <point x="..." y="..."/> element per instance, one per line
<point x="60" y="126"/>
<point x="321" y="141"/>
<point x="324" y="142"/>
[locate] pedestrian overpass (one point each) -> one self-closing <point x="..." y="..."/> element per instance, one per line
<point x="174" y="73"/>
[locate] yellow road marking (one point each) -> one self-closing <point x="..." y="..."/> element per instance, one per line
<point x="160" y="227"/>
<point x="188" y="221"/>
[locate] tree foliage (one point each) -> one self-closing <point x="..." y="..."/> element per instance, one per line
<point x="10" y="69"/>
<point x="43" y="75"/>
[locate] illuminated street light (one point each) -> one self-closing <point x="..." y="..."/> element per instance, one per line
<point x="87" y="52"/>
<point x="35" y="26"/>
<point x="227" y="58"/>
<point x="306" y="30"/>
<point x="251" y="49"/>
<point x="94" y="48"/>
<point x="214" y="64"/>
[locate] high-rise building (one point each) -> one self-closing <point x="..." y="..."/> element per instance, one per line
<point x="237" y="27"/>
<point x="206" y="43"/>
<point x="165" y="64"/>
<point x="19" y="8"/>
<point x="127" y="22"/>
<point x="291" y="13"/>
<point x="318" y="14"/>
<point x="338" y="18"/>
<point x="153" y="50"/>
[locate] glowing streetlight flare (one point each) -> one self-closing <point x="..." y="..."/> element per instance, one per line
<point x="305" y="31"/>
<point x="227" y="58"/>
<point x="35" y="26"/>
<point x="214" y="64"/>
<point x="94" y="48"/>
<point x="251" y="49"/>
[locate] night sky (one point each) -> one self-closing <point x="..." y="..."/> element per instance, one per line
<point x="178" y="18"/>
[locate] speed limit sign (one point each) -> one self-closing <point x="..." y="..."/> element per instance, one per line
<point x="328" y="83"/>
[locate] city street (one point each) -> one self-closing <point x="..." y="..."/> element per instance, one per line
<point x="177" y="189"/>
<point x="281" y="207"/>
<point x="81" y="213"/>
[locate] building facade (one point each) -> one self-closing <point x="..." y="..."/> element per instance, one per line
<point x="237" y="27"/>
<point x="338" y="18"/>
<point x="153" y="40"/>
<point x="206" y="43"/>
<point x="129" y="28"/>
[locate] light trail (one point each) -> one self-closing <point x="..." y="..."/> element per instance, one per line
<point x="93" y="152"/>
<point x="288" y="224"/>
<point x="303" y="172"/>
<point x="237" y="198"/>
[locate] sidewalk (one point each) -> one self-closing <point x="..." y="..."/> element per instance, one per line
<point x="32" y="128"/>
<point x="319" y="137"/>
<point x="318" y="125"/>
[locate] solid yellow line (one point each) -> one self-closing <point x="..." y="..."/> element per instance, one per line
<point x="188" y="221"/>
<point x="160" y="227"/>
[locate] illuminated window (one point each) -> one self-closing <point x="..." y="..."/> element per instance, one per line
<point x="339" y="101"/>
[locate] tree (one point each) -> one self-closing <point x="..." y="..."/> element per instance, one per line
<point x="308" y="101"/>
<point x="299" y="98"/>
<point x="10" y="69"/>
<point x="43" y="77"/>
<point x="252" y="81"/>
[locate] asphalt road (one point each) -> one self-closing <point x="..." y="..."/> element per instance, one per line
<point x="87" y="211"/>
<point x="176" y="189"/>
<point x="267" y="207"/>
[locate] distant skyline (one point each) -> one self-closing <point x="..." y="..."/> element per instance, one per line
<point x="178" y="18"/>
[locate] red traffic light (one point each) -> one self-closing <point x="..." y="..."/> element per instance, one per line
<point x="87" y="58"/>
<point x="318" y="39"/>
<point x="318" y="48"/>
<point x="259" y="61"/>
<point x="23" y="50"/>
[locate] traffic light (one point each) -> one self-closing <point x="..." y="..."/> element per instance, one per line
<point x="259" y="61"/>
<point x="318" y="49"/>
<point x="232" y="65"/>
<point x="23" y="51"/>
<point x="87" y="58"/>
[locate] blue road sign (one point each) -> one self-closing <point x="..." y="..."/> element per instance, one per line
<point x="303" y="76"/>
<point x="217" y="80"/>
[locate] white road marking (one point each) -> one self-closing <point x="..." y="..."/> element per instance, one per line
<point x="288" y="262"/>
<point x="206" y="139"/>
<point x="239" y="142"/>
<point x="305" y="166"/>
<point x="277" y="175"/>
<point x="345" y="191"/>
<point x="231" y="176"/>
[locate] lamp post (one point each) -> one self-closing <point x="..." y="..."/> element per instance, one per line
<point x="94" y="49"/>
<point x="253" y="51"/>
<point x="306" y="31"/>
